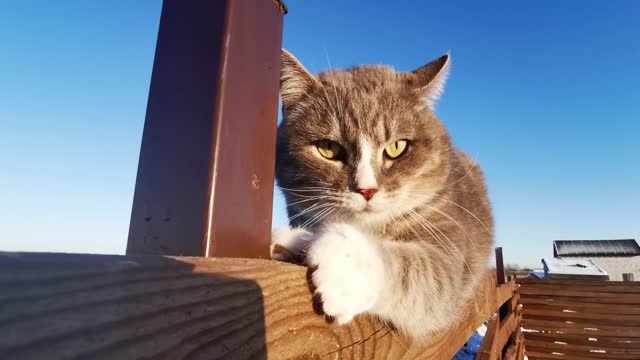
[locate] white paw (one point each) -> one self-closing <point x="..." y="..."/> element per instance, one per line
<point x="289" y="244"/>
<point x="350" y="271"/>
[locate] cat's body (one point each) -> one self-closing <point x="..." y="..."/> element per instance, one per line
<point x="395" y="221"/>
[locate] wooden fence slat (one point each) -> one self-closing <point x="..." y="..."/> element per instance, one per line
<point x="610" y="353"/>
<point x="584" y="288"/>
<point x="628" y="320"/>
<point x="552" y="303"/>
<point x="599" y="283"/>
<point x="609" y="342"/>
<point x="572" y="354"/>
<point x="542" y="355"/>
<point x="487" y="347"/>
<point x="586" y="323"/>
<point x="613" y="301"/>
<point x="580" y="329"/>
<point x="586" y="309"/>
<point x="172" y="307"/>
<point x="634" y="298"/>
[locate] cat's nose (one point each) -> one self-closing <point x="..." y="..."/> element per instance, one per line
<point x="367" y="193"/>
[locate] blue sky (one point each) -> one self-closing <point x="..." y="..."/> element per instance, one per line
<point x="544" y="94"/>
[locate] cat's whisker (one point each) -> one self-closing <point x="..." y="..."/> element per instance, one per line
<point x="317" y="217"/>
<point x="306" y="189"/>
<point x="329" y="109"/>
<point x="321" y="218"/>
<point x="435" y="285"/>
<point x="313" y="207"/>
<point x="450" y="219"/>
<point x="432" y="225"/>
<point x="463" y="176"/>
<point x="310" y="198"/>
<point x="306" y="223"/>
<point x="429" y="227"/>
<point x="471" y="273"/>
<point x="335" y="88"/>
<point x="465" y="209"/>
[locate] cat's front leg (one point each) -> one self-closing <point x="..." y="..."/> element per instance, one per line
<point x="290" y="244"/>
<point x="348" y="271"/>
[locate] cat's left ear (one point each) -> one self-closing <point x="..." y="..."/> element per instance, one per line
<point x="295" y="80"/>
<point x="428" y="80"/>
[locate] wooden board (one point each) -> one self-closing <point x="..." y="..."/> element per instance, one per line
<point x="90" y="306"/>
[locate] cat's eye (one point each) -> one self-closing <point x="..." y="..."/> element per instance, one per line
<point x="396" y="148"/>
<point x="329" y="149"/>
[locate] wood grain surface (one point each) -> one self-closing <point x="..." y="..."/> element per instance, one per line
<point x="61" y="306"/>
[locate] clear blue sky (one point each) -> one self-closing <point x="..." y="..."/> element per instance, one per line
<point x="546" y="95"/>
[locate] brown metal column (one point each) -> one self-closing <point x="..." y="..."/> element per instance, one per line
<point x="205" y="175"/>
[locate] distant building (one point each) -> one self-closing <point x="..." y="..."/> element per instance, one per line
<point x="595" y="259"/>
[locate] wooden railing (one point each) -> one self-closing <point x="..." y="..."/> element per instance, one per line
<point x="572" y="319"/>
<point x="60" y="306"/>
<point x="503" y="339"/>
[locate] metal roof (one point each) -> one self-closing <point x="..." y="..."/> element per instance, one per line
<point x="567" y="248"/>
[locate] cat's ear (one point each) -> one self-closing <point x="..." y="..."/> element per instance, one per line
<point x="429" y="79"/>
<point x="295" y="80"/>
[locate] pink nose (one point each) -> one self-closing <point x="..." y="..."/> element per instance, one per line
<point x="367" y="193"/>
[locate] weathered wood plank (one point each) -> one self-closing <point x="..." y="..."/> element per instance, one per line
<point x="611" y="319"/>
<point x="543" y="355"/>
<point x="90" y="306"/>
<point x="570" y="349"/>
<point x="487" y="348"/>
<point x="580" y="329"/>
<point x="604" y="341"/>
<point x="578" y="305"/>
<point x="599" y="283"/>
<point x="585" y="288"/>
<point x="631" y="297"/>
<point x="613" y="301"/>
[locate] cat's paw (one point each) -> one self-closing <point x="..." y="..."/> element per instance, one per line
<point x="348" y="271"/>
<point x="290" y="245"/>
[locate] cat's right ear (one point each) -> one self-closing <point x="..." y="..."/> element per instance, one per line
<point x="295" y="80"/>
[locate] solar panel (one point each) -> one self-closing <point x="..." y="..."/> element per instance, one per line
<point x="623" y="247"/>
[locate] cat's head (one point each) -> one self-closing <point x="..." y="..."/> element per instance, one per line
<point x="360" y="144"/>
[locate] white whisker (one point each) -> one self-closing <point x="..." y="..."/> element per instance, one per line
<point x="463" y="176"/>
<point x="469" y="212"/>
<point x="314" y="207"/>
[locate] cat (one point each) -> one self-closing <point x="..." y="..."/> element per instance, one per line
<point x="392" y="219"/>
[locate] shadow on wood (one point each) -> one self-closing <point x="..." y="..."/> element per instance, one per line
<point x="125" y="307"/>
<point x="88" y="306"/>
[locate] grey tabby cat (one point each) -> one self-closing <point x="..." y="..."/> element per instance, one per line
<point x="394" y="221"/>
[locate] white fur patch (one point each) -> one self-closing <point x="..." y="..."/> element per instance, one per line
<point x="295" y="240"/>
<point x="351" y="272"/>
<point x="365" y="177"/>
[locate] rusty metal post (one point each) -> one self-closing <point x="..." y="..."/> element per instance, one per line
<point x="205" y="176"/>
<point x="499" y="266"/>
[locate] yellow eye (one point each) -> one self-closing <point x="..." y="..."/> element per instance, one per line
<point x="396" y="148"/>
<point x="329" y="149"/>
